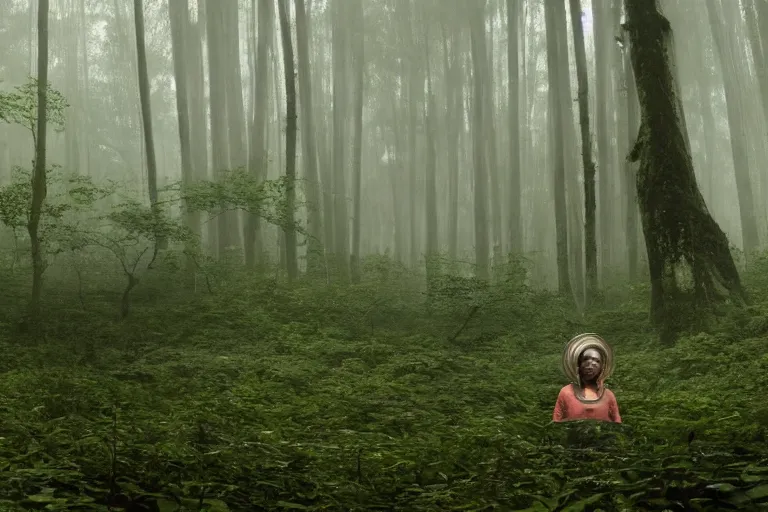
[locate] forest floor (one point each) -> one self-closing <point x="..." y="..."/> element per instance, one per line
<point x="317" y="397"/>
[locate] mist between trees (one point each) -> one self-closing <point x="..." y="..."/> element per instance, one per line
<point x="451" y="136"/>
<point x="324" y="254"/>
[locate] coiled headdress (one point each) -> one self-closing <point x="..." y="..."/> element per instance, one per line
<point x="577" y="345"/>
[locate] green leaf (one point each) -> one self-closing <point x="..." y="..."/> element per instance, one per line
<point x="759" y="492"/>
<point x="580" y="505"/>
<point x="291" y="506"/>
<point x="722" y="487"/>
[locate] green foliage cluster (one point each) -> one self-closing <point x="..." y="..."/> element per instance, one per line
<point x="319" y="396"/>
<point x="20" y="106"/>
<point x="131" y="231"/>
<point x="237" y="189"/>
<point x="248" y="394"/>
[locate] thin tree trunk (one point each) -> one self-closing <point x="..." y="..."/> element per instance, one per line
<point x="357" y="142"/>
<point x="554" y="69"/>
<point x="197" y="106"/>
<point x="218" y="108"/>
<point x="290" y="141"/>
<point x="236" y="125"/>
<point x="590" y="237"/>
<point x="515" y="196"/>
<point x="85" y="94"/>
<point x="309" y="144"/>
<point x="257" y="163"/>
<point x="39" y="186"/>
<point x="479" y="56"/>
<point x="454" y="91"/>
<point x="178" y="12"/>
<point x="630" y="169"/>
<point x="430" y="210"/>
<point x="602" y="40"/>
<point x="146" y="112"/>
<point x="340" y="51"/>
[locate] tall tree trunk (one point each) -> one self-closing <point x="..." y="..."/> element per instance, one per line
<point x="430" y="210"/>
<point x="573" y="188"/>
<point x="257" y="162"/>
<point x="146" y="109"/>
<point x="676" y="224"/>
<point x="415" y="84"/>
<point x="489" y="128"/>
<point x="146" y="112"/>
<point x="479" y="57"/>
<point x="290" y="141"/>
<point x="709" y="126"/>
<point x="238" y="153"/>
<point x="602" y="42"/>
<point x="214" y="21"/>
<point x="197" y="105"/>
<point x="178" y="12"/>
<point x="630" y="169"/>
<point x="515" y="195"/>
<point x="590" y="239"/>
<point x="72" y="72"/>
<point x="30" y="46"/>
<point x="86" y="88"/>
<point x="455" y="122"/>
<point x="357" y="142"/>
<point x="340" y="51"/>
<point x="309" y="145"/>
<point x="739" y="145"/>
<point x="396" y="171"/>
<point x="555" y="108"/>
<point x="39" y="186"/>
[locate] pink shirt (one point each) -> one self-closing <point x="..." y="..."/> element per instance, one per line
<point x="570" y="407"/>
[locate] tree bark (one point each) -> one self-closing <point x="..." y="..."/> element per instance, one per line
<point x="573" y="197"/>
<point x="602" y="40"/>
<point x="39" y="185"/>
<point x="315" y="251"/>
<point x="178" y="12"/>
<point x="677" y="227"/>
<point x="340" y="43"/>
<point x="479" y="57"/>
<point x="630" y="169"/>
<point x="557" y="146"/>
<point x="214" y="20"/>
<point x="430" y="178"/>
<point x="514" y="196"/>
<point x="146" y="108"/>
<point x="257" y="159"/>
<point x="358" y="61"/>
<point x="290" y="141"/>
<point x="590" y="235"/>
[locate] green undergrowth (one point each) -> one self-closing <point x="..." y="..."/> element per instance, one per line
<point x="376" y="396"/>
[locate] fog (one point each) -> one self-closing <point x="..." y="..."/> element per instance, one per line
<point x="413" y="138"/>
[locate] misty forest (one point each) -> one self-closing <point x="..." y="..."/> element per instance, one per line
<point x="326" y="254"/>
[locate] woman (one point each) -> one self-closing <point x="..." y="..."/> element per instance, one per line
<point x="587" y="362"/>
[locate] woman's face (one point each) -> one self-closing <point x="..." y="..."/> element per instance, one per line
<point x="590" y="364"/>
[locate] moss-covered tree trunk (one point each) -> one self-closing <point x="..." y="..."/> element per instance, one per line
<point x="678" y="229"/>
